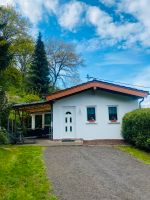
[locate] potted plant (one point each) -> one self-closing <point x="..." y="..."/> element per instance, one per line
<point x="113" y="119"/>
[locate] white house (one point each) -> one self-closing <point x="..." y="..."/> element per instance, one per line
<point x="89" y="111"/>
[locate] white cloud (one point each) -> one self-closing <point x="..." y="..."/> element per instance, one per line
<point x="7" y="2"/>
<point x="73" y="13"/>
<point x="93" y="44"/>
<point x="140" y="10"/>
<point x="51" y="5"/>
<point x="31" y="9"/>
<point x="107" y="29"/>
<point x="119" y="58"/>
<point x="70" y="15"/>
<point x="34" y="10"/>
<point x="108" y="2"/>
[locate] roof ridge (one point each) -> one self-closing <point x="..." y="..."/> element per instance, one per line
<point x="118" y="85"/>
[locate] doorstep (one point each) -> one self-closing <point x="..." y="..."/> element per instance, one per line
<point x="64" y="142"/>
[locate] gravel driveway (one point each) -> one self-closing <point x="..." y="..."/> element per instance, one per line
<point x="96" y="172"/>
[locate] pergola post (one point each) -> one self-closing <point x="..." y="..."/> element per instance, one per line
<point x="33" y="121"/>
<point x="43" y="120"/>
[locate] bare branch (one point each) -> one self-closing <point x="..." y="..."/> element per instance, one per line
<point x="63" y="61"/>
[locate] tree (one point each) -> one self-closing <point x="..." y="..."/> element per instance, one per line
<point x="63" y="62"/>
<point x="5" y="55"/>
<point x="16" y="46"/>
<point x="23" y="49"/>
<point x="39" y="72"/>
<point x="16" y="24"/>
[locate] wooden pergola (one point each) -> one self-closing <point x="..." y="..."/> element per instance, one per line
<point x="33" y="107"/>
<point x="24" y="110"/>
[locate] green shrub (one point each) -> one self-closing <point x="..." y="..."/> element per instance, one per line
<point x="136" y="128"/>
<point x="4" y="137"/>
<point x="31" y="98"/>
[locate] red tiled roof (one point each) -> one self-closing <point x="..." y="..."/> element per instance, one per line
<point x="100" y="85"/>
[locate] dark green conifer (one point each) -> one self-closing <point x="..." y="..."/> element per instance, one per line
<point x="39" y="71"/>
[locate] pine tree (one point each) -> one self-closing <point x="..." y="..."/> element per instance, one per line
<point x="39" y="71"/>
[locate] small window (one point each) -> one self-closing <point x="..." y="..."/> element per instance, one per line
<point x="47" y="119"/>
<point x="68" y="113"/>
<point x="70" y="119"/>
<point x="70" y="128"/>
<point x="91" y="117"/>
<point x="113" y="113"/>
<point x="66" y="129"/>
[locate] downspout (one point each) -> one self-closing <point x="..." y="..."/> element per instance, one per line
<point x="141" y="102"/>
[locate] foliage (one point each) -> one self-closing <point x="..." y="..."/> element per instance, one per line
<point x="30" y="98"/>
<point x="16" y="25"/>
<point x="3" y="100"/>
<point x="22" y="49"/>
<point x="4" y="139"/>
<point x="136" y="128"/>
<point x="63" y="62"/>
<point x="139" y="154"/>
<point x="39" y="72"/>
<point x="11" y="78"/>
<point x="3" y="104"/>
<point x="5" y="108"/>
<point x="23" y="174"/>
<point x="5" y="56"/>
<point x="20" y="45"/>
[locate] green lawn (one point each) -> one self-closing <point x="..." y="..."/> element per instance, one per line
<point x="139" y="154"/>
<point x="23" y="175"/>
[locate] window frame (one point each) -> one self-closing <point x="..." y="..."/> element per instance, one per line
<point x="91" y="121"/>
<point x="113" y="121"/>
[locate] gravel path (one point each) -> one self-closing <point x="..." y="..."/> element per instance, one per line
<point x="96" y="173"/>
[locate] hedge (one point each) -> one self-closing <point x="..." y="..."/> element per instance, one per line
<point x="136" y="128"/>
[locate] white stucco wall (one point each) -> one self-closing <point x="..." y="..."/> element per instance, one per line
<point x="102" y="129"/>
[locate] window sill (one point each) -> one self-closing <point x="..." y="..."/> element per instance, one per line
<point x="113" y="122"/>
<point x="88" y="122"/>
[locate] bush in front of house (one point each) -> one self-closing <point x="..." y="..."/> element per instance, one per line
<point x="4" y="138"/>
<point x="136" y="128"/>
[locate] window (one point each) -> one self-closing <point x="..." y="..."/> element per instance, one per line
<point x="66" y="128"/>
<point x="91" y="117"/>
<point x="70" y="119"/>
<point x="70" y="128"/>
<point x="68" y="113"/>
<point x="47" y="119"/>
<point x="38" y="121"/>
<point x="113" y="113"/>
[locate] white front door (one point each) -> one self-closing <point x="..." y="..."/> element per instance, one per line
<point x="69" y="122"/>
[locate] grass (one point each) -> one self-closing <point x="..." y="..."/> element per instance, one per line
<point x="139" y="154"/>
<point x="23" y="175"/>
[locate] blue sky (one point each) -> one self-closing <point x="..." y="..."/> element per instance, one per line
<point x="113" y="36"/>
